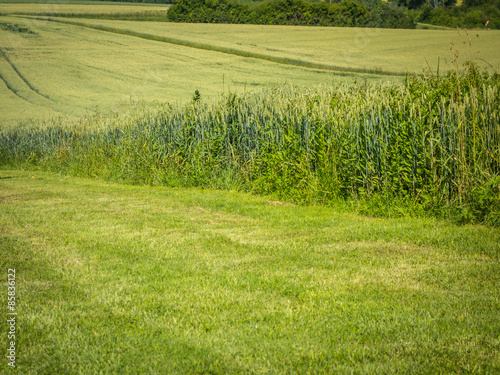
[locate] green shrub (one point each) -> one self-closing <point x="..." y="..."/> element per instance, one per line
<point x="471" y="14"/>
<point x="290" y="12"/>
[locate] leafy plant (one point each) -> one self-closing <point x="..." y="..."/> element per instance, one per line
<point x="196" y="96"/>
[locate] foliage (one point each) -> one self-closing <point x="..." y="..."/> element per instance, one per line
<point x="434" y="141"/>
<point x="415" y="4"/>
<point x="209" y="11"/>
<point x="290" y="12"/>
<point x="476" y="17"/>
<point x="15" y="28"/>
<point x="471" y="14"/>
<point x="196" y="96"/>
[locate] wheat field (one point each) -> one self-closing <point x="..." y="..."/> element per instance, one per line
<point x="370" y="240"/>
<point x="77" y="67"/>
<point x="72" y="71"/>
<point x="386" y="50"/>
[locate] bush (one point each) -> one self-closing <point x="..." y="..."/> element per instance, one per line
<point x="208" y="11"/>
<point x="290" y="12"/>
<point x="471" y="14"/>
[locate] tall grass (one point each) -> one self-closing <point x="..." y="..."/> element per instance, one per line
<point x="433" y="143"/>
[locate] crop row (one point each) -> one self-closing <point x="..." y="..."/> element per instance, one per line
<point x="434" y="141"/>
<point x="231" y="51"/>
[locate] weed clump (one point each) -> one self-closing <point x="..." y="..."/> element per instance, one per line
<point x="15" y="28"/>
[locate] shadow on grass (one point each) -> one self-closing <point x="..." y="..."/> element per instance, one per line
<point x="37" y="283"/>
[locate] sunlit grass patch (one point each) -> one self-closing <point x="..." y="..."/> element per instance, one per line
<point x="127" y="273"/>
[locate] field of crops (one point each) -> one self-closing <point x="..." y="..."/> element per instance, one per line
<point x="127" y="65"/>
<point x="81" y="71"/>
<point x="385" y="50"/>
<point x="434" y="142"/>
<point x="341" y="133"/>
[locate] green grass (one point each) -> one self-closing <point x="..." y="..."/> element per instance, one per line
<point x="114" y="278"/>
<point x="431" y="145"/>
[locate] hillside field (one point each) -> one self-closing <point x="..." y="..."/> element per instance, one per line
<point x="75" y="71"/>
<point x="57" y="68"/>
<point x="243" y="199"/>
<point x="385" y="50"/>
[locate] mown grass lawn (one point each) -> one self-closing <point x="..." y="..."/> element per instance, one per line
<point x="125" y="279"/>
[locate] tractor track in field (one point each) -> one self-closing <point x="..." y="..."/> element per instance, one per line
<point x="16" y="92"/>
<point x="20" y="75"/>
<point x="11" y="89"/>
<point x="230" y="51"/>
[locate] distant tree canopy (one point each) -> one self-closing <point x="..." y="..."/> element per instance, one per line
<point x="291" y="12"/>
<point x="415" y="4"/>
<point x="477" y="3"/>
<point x="470" y="14"/>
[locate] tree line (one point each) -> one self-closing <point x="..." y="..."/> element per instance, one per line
<point x="291" y="12"/>
<point x="363" y="13"/>
<point x="469" y="14"/>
